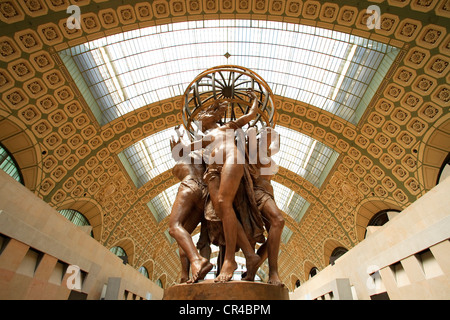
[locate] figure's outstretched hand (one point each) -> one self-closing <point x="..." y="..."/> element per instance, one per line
<point x="251" y="93"/>
<point x="254" y="108"/>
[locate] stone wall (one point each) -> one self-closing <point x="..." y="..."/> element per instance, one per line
<point x="44" y="256"/>
<point x="407" y="258"/>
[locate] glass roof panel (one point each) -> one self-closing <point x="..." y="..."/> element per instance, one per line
<point x="149" y="157"/>
<point x="289" y="201"/>
<point x="161" y="205"/>
<point x="286" y="235"/>
<point x="304" y="155"/>
<point x="324" y="68"/>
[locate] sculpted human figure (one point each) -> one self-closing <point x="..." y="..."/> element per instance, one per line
<point x="187" y="212"/>
<point x="262" y="174"/>
<point x="223" y="177"/>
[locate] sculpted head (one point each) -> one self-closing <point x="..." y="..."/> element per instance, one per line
<point x="214" y="112"/>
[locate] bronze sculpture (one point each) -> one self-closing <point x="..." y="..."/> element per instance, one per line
<point x="223" y="189"/>
<point x="223" y="176"/>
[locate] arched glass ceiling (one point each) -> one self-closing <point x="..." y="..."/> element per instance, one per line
<point x="161" y="205"/>
<point x="325" y="68"/>
<point x="289" y="201"/>
<point x="304" y="155"/>
<point x="149" y="157"/>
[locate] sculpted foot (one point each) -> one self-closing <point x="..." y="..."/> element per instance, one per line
<point x="184" y="279"/>
<point x="198" y="267"/>
<point x="226" y="272"/>
<point x="275" y="280"/>
<point x="252" y="264"/>
<point x="204" y="271"/>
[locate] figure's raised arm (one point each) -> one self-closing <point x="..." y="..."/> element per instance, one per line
<point x="246" y="118"/>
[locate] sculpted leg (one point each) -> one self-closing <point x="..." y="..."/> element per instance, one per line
<point x="252" y="260"/>
<point x="203" y="245"/>
<point x="222" y="192"/>
<point x="272" y="212"/>
<point x="184" y="266"/>
<point x="180" y="216"/>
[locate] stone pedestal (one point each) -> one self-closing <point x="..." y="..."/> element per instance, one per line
<point x="232" y="290"/>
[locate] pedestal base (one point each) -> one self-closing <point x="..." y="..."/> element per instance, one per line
<point x="232" y="290"/>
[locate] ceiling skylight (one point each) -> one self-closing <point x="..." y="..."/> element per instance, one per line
<point x="149" y="157"/>
<point x="289" y="201"/>
<point x="304" y="155"/>
<point x="161" y="205"/>
<point x="286" y="235"/>
<point x="327" y="69"/>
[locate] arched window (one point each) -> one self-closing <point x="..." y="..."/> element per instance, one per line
<point x="337" y="253"/>
<point x="120" y="252"/>
<point x="9" y="165"/>
<point x="313" y="272"/>
<point x="77" y="218"/>
<point x="444" y="172"/>
<point x="143" y="270"/>
<point x="380" y="218"/>
<point x="159" y="283"/>
<point x="297" y="283"/>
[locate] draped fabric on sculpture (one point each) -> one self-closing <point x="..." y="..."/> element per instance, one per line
<point x="249" y="214"/>
<point x="246" y="211"/>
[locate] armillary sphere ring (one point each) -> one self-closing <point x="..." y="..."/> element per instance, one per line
<point x="228" y="83"/>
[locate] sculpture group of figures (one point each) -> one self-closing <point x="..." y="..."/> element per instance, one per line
<point x="232" y="199"/>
